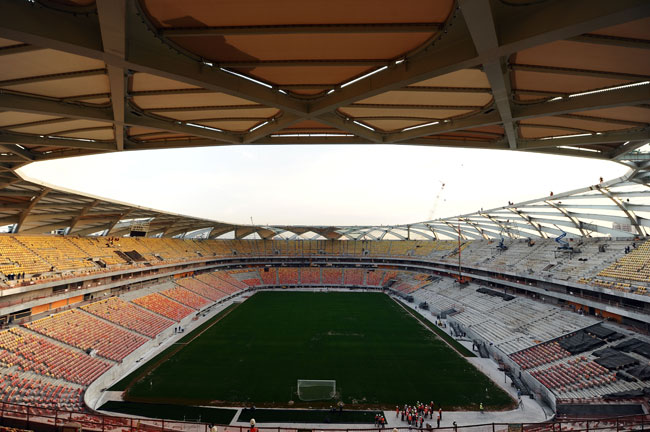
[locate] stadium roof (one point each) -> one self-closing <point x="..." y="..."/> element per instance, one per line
<point x="616" y="208"/>
<point x="78" y="77"/>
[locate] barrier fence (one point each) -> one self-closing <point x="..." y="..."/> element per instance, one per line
<point x="44" y="420"/>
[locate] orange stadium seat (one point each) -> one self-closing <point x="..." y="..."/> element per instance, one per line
<point x="128" y="315"/>
<point x="186" y="297"/>
<point x="84" y="331"/>
<point x="201" y="288"/>
<point x="33" y="353"/>
<point x="164" y="306"/>
<point x="310" y="275"/>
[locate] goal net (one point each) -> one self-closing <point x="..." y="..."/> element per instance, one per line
<point x="313" y="390"/>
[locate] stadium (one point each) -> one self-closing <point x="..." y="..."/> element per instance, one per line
<point x="533" y="315"/>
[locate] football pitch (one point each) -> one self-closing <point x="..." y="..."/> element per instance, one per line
<point x="379" y="355"/>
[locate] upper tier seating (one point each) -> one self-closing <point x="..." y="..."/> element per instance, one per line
<point x="16" y="258"/>
<point x="164" y="306"/>
<point x="128" y="315"/>
<point x="45" y="257"/>
<point x="84" y="331"/>
<point x="632" y="266"/>
<point x="60" y="253"/>
<point x="97" y="247"/>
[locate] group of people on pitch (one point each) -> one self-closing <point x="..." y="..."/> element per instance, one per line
<point x="416" y="415"/>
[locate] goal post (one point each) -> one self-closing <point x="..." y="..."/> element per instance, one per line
<point x="314" y="390"/>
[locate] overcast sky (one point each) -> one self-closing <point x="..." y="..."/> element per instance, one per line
<point x="322" y="185"/>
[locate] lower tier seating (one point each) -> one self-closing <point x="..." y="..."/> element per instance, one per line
<point x="86" y="332"/>
<point x="164" y="306"/>
<point x="33" y="353"/>
<point x="186" y="297"/>
<point x="128" y="315"/>
<point x="31" y="390"/>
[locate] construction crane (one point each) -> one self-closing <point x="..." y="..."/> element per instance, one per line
<point x="436" y="201"/>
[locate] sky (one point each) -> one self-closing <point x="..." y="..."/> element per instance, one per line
<point x="322" y="185"/>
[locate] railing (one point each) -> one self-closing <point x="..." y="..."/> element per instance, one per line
<point x="41" y="419"/>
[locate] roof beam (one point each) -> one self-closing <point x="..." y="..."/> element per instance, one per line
<point x="496" y="222"/>
<point x="303" y="63"/>
<point x="452" y="125"/>
<point x="620" y="204"/>
<point x="116" y="220"/>
<point x="23" y="215"/>
<point x="476" y="227"/>
<point x="18" y="49"/>
<point x="14" y="102"/>
<point x="519" y="28"/>
<point x="22" y="153"/>
<point x="52" y="77"/>
<point x="45" y="228"/>
<point x="592" y="139"/>
<point x="112" y="23"/>
<point x="478" y="16"/>
<point x="92" y="229"/>
<point x="568" y="215"/>
<point x="578" y="72"/>
<point x="48" y="28"/>
<point x="345" y="125"/>
<point x="612" y="41"/>
<point x="133" y="118"/>
<point x="219" y="230"/>
<point x="416" y="106"/>
<point x="538" y="227"/>
<point x="129" y="144"/>
<point x="627" y="147"/>
<point x="273" y="125"/>
<point x="80" y="34"/>
<point x="146" y="53"/>
<point x="81" y="214"/>
<point x="638" y="95"/>
<point x="365" y="28"/>
<point x="51" y="141"/>
<point x="607" y="99"/>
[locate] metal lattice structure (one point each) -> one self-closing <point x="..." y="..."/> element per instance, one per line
<point x="615" y="208"/>
<point x="567" y="77"/>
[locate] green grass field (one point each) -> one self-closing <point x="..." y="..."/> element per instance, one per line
<point x="378" y="354"/>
